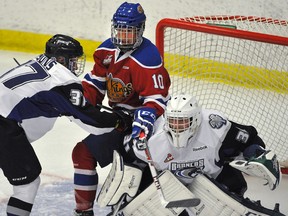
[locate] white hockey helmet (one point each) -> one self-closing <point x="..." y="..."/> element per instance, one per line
<point x="182" y="119"/>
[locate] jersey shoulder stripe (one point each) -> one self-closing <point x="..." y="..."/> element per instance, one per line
<point x="107" y="44"/>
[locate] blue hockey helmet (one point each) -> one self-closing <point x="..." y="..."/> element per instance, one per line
<point x="128" y="24"/>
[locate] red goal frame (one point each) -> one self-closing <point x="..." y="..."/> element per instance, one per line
<point x="195" y="24"/>
<point x="199" y="27"/>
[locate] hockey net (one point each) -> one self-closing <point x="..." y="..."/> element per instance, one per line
<point x="235" y="64"/>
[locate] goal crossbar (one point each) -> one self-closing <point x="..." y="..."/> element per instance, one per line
<point x="212" y="29"/>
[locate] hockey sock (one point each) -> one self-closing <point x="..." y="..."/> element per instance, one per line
<point x="21" y="202"/>
<point x="18" y="207"/>
<point x="85" y="177"/>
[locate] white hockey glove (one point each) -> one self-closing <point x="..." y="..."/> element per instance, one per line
<point x="144" y="119"/>
<point x="266" y="166"/>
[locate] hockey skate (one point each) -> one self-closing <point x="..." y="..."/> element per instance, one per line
<point x="83" y="213"/>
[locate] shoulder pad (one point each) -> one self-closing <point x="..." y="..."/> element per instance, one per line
<point x="215" y="119"/>
<point x="147" y="48"/>
<point x="107" y="44"/>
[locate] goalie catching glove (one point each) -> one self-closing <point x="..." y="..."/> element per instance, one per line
<point x="266" y="166"/>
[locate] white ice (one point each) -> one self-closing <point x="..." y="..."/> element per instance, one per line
<point x="55" y="196"/>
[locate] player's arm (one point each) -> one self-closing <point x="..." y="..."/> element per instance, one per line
<point x="94" y="82"/>
<point x="152" y="86"/>
<point x="69" y="101"/>
<point x="254" y="159"/>
<point x="239" y="138"/>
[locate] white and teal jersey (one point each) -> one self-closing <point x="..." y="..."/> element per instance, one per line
<point x="202" y="151"/>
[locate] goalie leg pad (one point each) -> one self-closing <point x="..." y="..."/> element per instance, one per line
<point x="148" y="202"/>
<point x="122" y="179"/>
<point x="266" y="166"/>
<point x="217" y="201"/>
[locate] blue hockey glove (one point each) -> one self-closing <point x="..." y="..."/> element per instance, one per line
<point x="144" y="119"/>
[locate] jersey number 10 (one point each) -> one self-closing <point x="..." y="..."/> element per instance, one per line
<point x="158" y="81"/>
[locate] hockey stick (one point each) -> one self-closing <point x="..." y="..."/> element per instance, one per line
<point x="129" y="111"/>
<point x="16" y="61"/>
<point x="167" y="204"/>
<point x="117" y="207"/>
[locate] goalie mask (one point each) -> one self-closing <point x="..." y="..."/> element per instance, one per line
<point x="182" y="119"/>
<point x="67" y="51"/>
<point x="128" y="24"/>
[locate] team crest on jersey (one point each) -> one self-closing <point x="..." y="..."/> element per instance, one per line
<point x="168" y="158"/>
<point x="117" y="90"/>
<point x="190" y="172"/>
<point x="107" y="60"/>
<point x="216" y="121"/>
<point x="187" y="169"/>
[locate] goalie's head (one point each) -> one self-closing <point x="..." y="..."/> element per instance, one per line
<point x="128" y="24"/>
<point x="182" y="119"/>
<point x="67" y="51"/>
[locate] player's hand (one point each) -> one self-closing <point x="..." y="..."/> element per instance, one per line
<point x="125" y="120"/>
<point x="144" y="119"/>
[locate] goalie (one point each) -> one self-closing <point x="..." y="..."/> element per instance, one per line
<point x="189" y="140"/>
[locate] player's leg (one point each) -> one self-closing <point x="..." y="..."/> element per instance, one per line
<point x="86" y="154"/>
<point x="21" y="167"/>
<point x="85" y="179"/>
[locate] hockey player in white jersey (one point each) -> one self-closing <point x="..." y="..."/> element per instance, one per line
<point x="193" y="137"/>
<point x="191" y="141"/>
<point x="32" y="96"/>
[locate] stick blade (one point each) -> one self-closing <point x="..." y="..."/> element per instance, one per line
<point x="183" y="203"/>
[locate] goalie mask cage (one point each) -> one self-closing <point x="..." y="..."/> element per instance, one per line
<point x="235" y="64"/>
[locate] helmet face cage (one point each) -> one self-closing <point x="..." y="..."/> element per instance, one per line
<point x="128" y="24"/>
<point x="77" y="64"/>
<point x="126" y="37"/>
<point x="68" y="52"/>
<point x="182" y="119"/>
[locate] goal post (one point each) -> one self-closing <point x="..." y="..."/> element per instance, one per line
<point x="236" y="64"/>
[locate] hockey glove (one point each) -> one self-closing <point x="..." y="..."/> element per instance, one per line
<point x="144" y="119"/>
<point x="265" y="166"/>
<point x="125" y="121"/>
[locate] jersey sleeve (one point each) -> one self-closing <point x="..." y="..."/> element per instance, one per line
<point x="151" y="80"/>
<point x="69" y="101"/>
<point x="238" y="138"/>
<point x="94" y="82"/>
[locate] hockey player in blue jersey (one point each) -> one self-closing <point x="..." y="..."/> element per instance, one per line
<point x="32" y="96"/>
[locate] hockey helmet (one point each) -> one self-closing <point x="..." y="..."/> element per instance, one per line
<point x="67" y="51"/>
<point x="182" y="119"/>
<point x="128" y="24"/>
